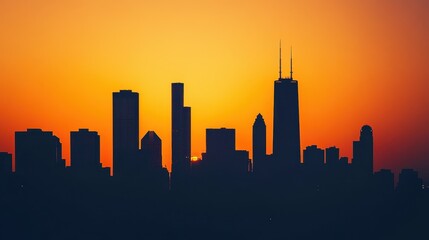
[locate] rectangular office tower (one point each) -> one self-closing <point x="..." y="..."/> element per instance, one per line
<point x="220" y="150"/>
<point x="85" y="151"/>
<point x="286" y="135"/>
<point x="220" y="141"/>
<point x="221" y="159"/>
<point x="181" y="137"/>
<point x="125" y="132"/>
<point x="38" y="153"/>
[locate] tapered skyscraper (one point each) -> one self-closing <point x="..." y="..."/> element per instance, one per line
<point x="181" y="138"/>
<point x="151" y="152"/>
<point x="259" y="137"/>
<point x="125" y="132"/>
<point x="286" y="135"/>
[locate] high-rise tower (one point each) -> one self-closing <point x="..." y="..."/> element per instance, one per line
<point x="259" y="142"/>
<point x="286" y="135"/>
<point x="363" y="151"/>
<point x="125" y="132"/>
<point x="181" y="137"/>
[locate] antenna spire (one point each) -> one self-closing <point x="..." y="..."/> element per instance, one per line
<point x="291" y="72"/>
<point x="280" y="60"/>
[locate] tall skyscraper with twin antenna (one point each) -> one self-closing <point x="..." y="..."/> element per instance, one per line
<point x="286" y="134"/>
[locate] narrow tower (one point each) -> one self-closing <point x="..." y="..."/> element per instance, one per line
<point x="181" y="138"/>
<point x="259" y="143"/>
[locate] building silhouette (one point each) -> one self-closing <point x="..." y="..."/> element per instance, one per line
<point x="38" y="153"/>
<point x="221" y="157"/>
<point x="220" y="140"/>
<point x="286" y="133"/>
<point x="181" y="138"/>
<point x="85" y="152"/>
<point x="220" y="149"/>
<point x="409" y="182"/>
<point x="5" y="163"/>
<point x="332" y="156"/>
<point x="219" y="195"/>
<point x="222" y="168"/>
<point x="259" y="143"/>
<point x="314" y="157"/>
<point x="125" y="132"/>
<point x="150" y="170"/>
<point x="363" y="152"/>
<point x="151" y="152"/>
<point x="222" y="195"/>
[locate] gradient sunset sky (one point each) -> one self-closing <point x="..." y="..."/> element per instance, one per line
<point x="357" y="62"/>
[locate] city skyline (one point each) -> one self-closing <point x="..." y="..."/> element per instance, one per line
<point x="184" y="119"/>
<point x="40" y="152"/>
<point x="177" y="90"/>
<point x="352" y="67"/>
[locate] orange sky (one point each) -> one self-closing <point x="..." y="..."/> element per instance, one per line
<point x="357" y="62"/>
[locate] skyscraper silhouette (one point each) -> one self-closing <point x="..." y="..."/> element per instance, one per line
<point x="151" y="152"/>
<point x="85" y="151"/>
<point x="221" y="157"/>
<point x="314" y="165"/>
<point x="125" y="132"/>
<point x="220" y="140"/>
<point x="181" y="138"/>
<point x="363" y="152"/>
<point x="259" y="142"/>
<point x="220" y="148"/>
<point x="151" y="173"/>
<point x="38" y="153"/>
<point x="286" y="134"/>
